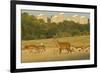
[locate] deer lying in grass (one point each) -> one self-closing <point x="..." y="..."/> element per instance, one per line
<point x="79" y="48"/>
<point x="87" y="48"/>
<point x="64" y="45"/>
<point x="32" y="47"/>
<point x="82" y="48"/>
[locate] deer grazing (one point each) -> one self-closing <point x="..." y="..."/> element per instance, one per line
<point x="64" y="45"/>
<point x="32" y="47"/>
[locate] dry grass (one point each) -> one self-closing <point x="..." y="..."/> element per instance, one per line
<point x="52" y="51"/>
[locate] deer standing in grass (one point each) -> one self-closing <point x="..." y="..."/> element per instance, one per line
<point x="31" y="47"/>
<point x="64" y="45"/>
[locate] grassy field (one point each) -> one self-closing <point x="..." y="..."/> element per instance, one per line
<point x="52" y="52"/>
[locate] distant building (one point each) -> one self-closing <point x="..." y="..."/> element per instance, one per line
<point x="83" y="20"/>
<point x="68" y="18"/>
<point x="60" y="18"/>
<point x="43" y="17"/>
<point x="57" y="18"/>
<point x="77" y="19"/>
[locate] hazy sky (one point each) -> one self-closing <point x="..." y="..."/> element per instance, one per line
<point x="51" y="13"/>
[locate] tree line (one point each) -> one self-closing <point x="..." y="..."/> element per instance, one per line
<point x="33" y="28"/>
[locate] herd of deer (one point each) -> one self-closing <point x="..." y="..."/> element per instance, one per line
<point x="60" y="45"/>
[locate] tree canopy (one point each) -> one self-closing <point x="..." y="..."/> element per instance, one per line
<point x="33" y="28"/>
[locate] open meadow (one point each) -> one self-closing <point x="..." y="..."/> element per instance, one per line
<point x="79" y="46"/>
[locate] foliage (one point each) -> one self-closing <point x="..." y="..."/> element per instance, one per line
<point x="33" y="28"/>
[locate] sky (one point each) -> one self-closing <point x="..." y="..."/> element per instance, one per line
<point x="52" y="13"/>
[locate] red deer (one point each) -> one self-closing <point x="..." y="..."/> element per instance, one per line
<point x="81" y="48"/>
<point x="64" y="45"/>
<point x="31" y="47"/>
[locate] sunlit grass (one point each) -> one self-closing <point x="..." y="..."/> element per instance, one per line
<point x="52" y="51"/>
